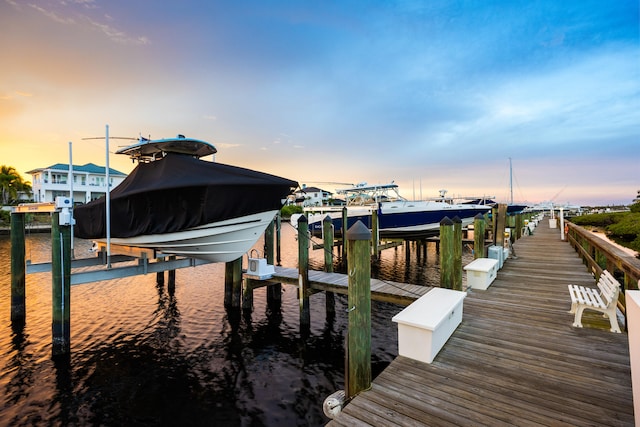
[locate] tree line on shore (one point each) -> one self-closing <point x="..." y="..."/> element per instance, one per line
<point x="621" y="227"/>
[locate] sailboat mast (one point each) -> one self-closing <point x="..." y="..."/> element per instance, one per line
<point x="510" y="181"/>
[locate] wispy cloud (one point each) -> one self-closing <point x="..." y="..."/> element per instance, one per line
<point x="118" y="35"/>
<point x="16" y="92"/>
<point x="226" y="145"/>
<point x="68" y="16"/>
<point x="53" y="15"/>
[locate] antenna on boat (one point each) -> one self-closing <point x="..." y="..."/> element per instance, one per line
<point x="108" y="198"/>
<point x="71" y="193"/>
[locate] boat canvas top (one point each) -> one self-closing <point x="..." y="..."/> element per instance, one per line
<point x="363" y="194"/>
<point x="180" y="192"/>
<point x="147" y="150"/>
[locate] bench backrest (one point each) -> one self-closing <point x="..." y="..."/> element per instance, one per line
<point x="609" y="288"/>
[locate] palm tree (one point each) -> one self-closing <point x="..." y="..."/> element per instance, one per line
<point x="11" y="185"/>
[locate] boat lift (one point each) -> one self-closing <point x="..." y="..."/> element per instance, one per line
<point x="62" y="263"/>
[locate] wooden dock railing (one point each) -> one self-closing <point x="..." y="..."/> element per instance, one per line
<point x="598" y="255"/>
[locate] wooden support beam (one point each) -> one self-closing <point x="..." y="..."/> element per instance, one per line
<point x="479" y="225"/>
<point x="236" y="295"/>
<point x="375" y="234"/>
<point x="18" y="270"/>
<point x="343" y="231"/>
<point x="457" y="253"/>
<point x="228" y="283"/>
<point x="501" y="222"/>
<point x="171" y="277"/>
<point x="61" y="286"/>
<point x="327" y="231"/>
<point x="303" y="275"/>
<point x="358" y="372"/>
<point x="274" y="293"/>
<point x="446" y="253"/>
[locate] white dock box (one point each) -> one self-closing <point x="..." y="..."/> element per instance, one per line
<point x="497" y="252"/>
<point x="427" y="323"/>
<point x="481" y="273"/>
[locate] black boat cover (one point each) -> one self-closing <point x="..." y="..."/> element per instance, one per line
<point x="180" y="192"/>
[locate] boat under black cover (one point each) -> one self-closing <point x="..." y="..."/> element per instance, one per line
<point x="180" y="192"/>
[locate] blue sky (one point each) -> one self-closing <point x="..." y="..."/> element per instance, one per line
<point x="431" y="94"/>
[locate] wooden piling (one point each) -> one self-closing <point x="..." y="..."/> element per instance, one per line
<point x="519" y="226"/>
<point x="375" y="234"/>
<point x="18" y="269"/>
<point x="457" y="253"/>
<point x="247" y="295"/>
<point x="446" y="253"/>
<point x="278" y="239"/>
<point x="274" y="292"/>
<point x="228" y="283"/>
<point x="494" y="225"/>
<point x="233" y="283"/>
<point x="407" y="252"/>
<point x="479" y="225"/>
<point x="61" y="285"/>
<point x="303" y="274"/>
<point x="171" y="277"/>
<point x="327" y="232"/>
<point x="501" y="222"/>
<point x="236" y="295"/>
<point x="343" y="232"/>
<point x="358" y="372"/>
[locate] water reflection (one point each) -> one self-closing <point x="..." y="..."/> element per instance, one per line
<point x="19" y="367"/>
<point x="148" y="354"/>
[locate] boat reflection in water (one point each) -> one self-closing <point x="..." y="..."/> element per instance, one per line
<point x="178" y="204"/>
<point x="148" y="354"/>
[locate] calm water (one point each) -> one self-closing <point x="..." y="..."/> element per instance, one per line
<point x="143" y="356"/>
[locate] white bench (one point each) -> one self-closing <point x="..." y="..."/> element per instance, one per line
<point x="604" y="299"/>
<point x="427" y="323"/>
<point x="481" y="273"/>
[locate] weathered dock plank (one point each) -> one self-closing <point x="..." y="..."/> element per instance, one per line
<point x="515" y="359"/>
<point x="381" y="290"/>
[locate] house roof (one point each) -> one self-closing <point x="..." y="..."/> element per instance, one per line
<point x="313" y="190"/>
<point x="89" y="168"/>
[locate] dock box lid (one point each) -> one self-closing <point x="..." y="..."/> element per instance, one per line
<point x="431" y="309"/>
<point x="481" y="264"/>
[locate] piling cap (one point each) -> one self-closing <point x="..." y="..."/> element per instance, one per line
<point x="358" y="231"/>
<point x="446" y="221"/>
<point x="478" y="216"/>
<point x="327" y="218"/>
<point x="456" y="220"/>
<point x="303" y="218"/>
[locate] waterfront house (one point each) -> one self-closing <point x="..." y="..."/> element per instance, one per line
<point x="89" y="182"/>
<point x="312" y="196"/>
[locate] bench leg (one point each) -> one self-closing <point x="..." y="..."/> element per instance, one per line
<point x="577" y="320"/>
<point x="573" y="307"/>
<point x="613" y="320"/>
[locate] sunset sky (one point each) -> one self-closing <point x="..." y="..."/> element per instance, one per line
<point x="432" y="94"/>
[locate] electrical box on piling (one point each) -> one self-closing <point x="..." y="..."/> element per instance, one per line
<point x="258" y="267"/>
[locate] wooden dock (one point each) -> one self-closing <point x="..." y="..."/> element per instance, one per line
<point x="381" y="290"/>
<point x="515" y="359"/>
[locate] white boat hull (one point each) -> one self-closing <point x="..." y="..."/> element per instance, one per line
<point x="221" y="241"/>
<point x="398" y="219"/>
